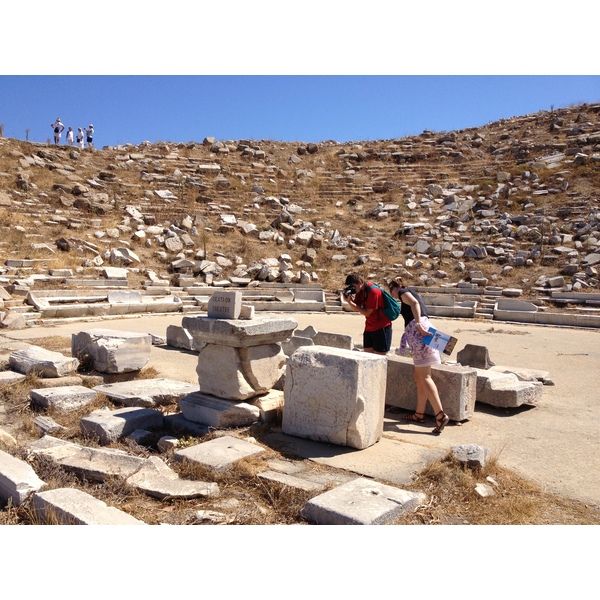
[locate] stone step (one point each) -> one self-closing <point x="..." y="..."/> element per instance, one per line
<point x="14" y="303"/>
<point x="484" y="316"/>
<point x="20" y="308"/>
<point x="331" y="309"/>
<point x="488" y="310"/>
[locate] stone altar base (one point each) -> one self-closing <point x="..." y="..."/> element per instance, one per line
<point x="335" y="395"/>
<point x="239" y="359"/>
<point x="239" y="373"/>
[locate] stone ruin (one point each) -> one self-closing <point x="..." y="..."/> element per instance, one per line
<point x="327" y="393"/>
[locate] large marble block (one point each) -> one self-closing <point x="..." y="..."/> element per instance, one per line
<point x="239" y="333"/>
<point x="218" y="454"/>
<point x="113" y="351"/>
<point x="63" y="399"/>
<point x="456" y="385"/>
<point x="69" y="506"/>
<point x="335" y="395"/>
<point x="17" y="480"/>
<point x="217" y="412"/>
<point x="504" y="390"/>
<point x="42" y="362"/>
<point x="110" y="426"/>
<point x="361" y="501"/>
<point x="146" y="392"/>
<point x="239" y="373"/>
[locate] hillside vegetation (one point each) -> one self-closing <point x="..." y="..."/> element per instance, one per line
<point x="515" y="201"/>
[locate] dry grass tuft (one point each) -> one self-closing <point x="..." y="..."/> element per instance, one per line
<point x="450" y="488"/>
<point x="252" y="500"/>
<point x="55" y="343"/>
<point x="147" y="373"/>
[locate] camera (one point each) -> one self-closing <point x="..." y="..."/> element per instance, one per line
<point x="349" y="290"/>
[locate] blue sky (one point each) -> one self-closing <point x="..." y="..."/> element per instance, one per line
<point x="298" y="72"/>
<point x="295" y="108"/>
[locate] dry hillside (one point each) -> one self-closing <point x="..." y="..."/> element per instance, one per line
<point x="515" y="202"/>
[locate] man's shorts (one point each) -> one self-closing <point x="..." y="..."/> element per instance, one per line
<point x="379" y="341"/>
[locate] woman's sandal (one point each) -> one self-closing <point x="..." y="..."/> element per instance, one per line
<point x="414" y="418"/>
<point x="441" y="422"/>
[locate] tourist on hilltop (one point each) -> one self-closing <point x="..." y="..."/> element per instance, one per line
<point x="89" y="133"/>
<point x="70" y="136"/>
<point x="365" y="298"/>
<point x="58" y="128"/>
<point x="416" y="327"/>
<point x="80" y="138"/>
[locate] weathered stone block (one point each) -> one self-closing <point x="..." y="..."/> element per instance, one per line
<point x="225" y="305"/>
<point x="42" y="362"/>
<point x="10" y="377"/>
<point x="220" y="373"/>
<point x="262" y="366"/>
<point x="361" y="502"/>
<point x="239" y="373"/>
<point x="146" y="392"/>
<point x="456" y="385"/>
<point x="70" y="506"/>
<point x="220" y="453"/>
<point x="17" y="479"/>
<point x="178" y="337"/>
<point x="294" y="343"/>
<point x="504" y="390"/>
<point x="335" y="340"/>
<point x="239" y="333"/>
<point x="270" y="406"/>
<point x="217" y="412"/>
<point x="109" y="426"/>
<point x="474" y="356"/>
<point x="93" y="464"/>
<point x="13" y="320"/>
<point x="471" y="455"/>
<point x="334" y="395"/>
<point x="112" y="351"/>
<point x="63" y="399"/>
<point x="155" y="478"/>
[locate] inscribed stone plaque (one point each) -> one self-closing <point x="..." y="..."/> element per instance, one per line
<point x="225" y="305"/>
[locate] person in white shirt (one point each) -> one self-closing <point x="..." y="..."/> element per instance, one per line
<point x="58" y="128"/>
<point x="80" y="138"/>
<point x="70" y="135"/>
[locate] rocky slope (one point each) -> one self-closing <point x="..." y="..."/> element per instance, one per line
<point x="514" y="203"/>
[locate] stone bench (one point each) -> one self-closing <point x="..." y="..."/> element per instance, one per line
<point x="448" y="306"/>
<point x="67" y="305"/>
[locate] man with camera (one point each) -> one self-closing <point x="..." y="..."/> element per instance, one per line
<point x="365" y="298"/>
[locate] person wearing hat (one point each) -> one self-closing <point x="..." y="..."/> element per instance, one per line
<point x="57" y="127"/>
<point x="89" y="132"/>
